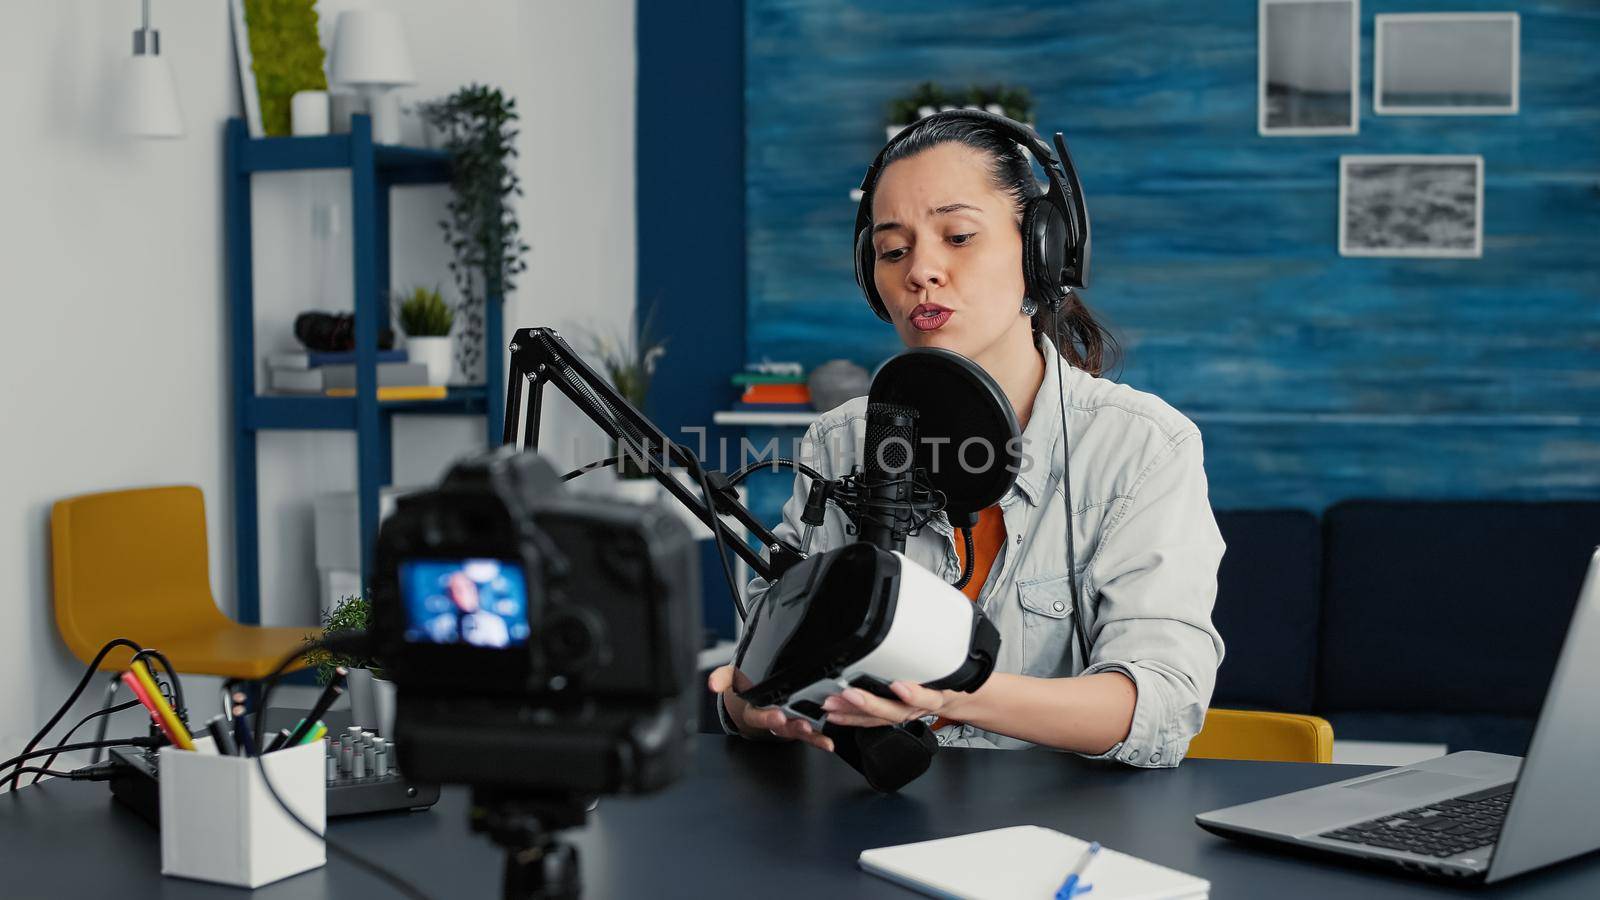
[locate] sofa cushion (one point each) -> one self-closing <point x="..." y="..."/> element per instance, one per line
<point x="1448" y="607"/>
<point x="1267" y="609"/>
<point x="1491" y="733"/>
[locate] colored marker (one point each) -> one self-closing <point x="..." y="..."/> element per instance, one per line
<point x="316" y="734"/>
<point x="144" y="698"/>
<point x="320" y="708"/>
<point x="217" y="727"/>
<point x="174" y="724"/>
<point x="278" y="740"/>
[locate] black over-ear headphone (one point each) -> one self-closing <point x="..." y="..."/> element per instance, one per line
<point x="1055" y="225"/>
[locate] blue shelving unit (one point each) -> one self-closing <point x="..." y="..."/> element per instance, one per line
<point x="374" y="169"/>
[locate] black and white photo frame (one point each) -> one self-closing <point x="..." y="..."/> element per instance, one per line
<point x="1413" y="206"/>
<point x="1308" y="67"/>
<point x="1446" y="64"/>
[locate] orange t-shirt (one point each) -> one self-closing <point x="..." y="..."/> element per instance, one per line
<point x="987" y="538"/>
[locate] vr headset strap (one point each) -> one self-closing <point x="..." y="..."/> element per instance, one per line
<point x="889" y="757"/>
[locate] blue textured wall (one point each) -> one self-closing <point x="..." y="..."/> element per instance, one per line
<point x="1313" y="377"/>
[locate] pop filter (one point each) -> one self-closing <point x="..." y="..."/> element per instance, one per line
<point x="966" y="429"/>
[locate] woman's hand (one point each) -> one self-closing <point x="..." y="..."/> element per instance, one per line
<point x="861" y="709"/>
<point x="757" y="721"/>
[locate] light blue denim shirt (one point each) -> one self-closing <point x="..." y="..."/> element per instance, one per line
<point x="1147" y="549"/>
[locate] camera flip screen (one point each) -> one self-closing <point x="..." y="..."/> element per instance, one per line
<point x="472" y="602"/>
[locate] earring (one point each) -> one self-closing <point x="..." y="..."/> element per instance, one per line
<point x="1029" y="306"/>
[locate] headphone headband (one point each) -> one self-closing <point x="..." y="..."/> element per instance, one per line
<point x="1065" y="191"/>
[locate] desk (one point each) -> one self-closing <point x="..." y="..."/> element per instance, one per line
<point x="757" y="820"/>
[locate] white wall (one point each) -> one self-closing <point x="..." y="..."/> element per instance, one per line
<point x="115" y="374"/>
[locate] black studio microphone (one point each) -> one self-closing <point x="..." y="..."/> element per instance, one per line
<point x="933" y="394"/>
<point x="883" y="509"/>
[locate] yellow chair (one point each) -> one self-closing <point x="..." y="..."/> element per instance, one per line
<point x="1266" y="736"/>
<point x="133" y="564"/>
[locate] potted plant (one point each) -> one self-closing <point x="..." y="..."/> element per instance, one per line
<point x="1013" y="103"/>
<point x="926" y="100"/>
<point x="929" y="98"/>
<point x="629" y="360"/>
<point x="371" y="695"/>
<point x="426" y="320"/>
<point x="478" y="127"/>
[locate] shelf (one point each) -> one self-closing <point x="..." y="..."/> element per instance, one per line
<point x="374" y="169"/>
<point x="740" y="417"/>
<point x="396" y="164"/>
<point x="289" y="412"/>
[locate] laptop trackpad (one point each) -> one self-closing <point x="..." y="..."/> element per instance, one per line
<point x="1412" y="784"/>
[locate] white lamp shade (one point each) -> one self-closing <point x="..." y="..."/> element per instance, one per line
<point x="369" y="47"/>
<point x="150" y="99"/>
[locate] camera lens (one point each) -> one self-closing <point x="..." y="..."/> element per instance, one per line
<point x="571" y="640"/>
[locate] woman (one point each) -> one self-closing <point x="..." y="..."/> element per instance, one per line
<point x="947" y="263"/>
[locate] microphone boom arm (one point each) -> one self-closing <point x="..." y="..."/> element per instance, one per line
<point x="539" y="356"/>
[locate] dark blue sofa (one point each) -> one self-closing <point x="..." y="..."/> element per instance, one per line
<point x="1416" y="621"/>
<point x="1430" y="622"/>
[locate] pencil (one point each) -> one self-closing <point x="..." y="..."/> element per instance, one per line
<point x="179" y="734"/>
<point x="138" y="690"/>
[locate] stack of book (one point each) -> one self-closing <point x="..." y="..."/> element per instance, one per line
<point x="772" y="387"/>
<point x="334" y="375"/>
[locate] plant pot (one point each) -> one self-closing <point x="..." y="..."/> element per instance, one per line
<point x="435" y="353"/>
<point x="372" y="701"/>
<point x="383" y="695"/>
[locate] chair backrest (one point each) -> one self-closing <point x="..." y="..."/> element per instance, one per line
<point x="1264" y="736"/>
<point x="1448" y="607"/>
<point x="131" y="564"/>
<point x="1268" y="606"/>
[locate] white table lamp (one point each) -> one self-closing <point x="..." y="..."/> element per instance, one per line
<point x="370" y="53"/>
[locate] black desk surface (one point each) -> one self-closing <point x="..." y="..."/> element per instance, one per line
<point x="757" y="820"/>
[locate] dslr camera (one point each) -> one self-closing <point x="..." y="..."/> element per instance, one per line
<point x="543" y="643"/>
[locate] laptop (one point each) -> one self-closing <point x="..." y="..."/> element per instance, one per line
<point x="1467" y="816"/>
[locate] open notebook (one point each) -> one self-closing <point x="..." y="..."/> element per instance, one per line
<point x="1025" y="862"/>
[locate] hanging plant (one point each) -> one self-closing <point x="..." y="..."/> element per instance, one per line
<point x="478" y="124"/>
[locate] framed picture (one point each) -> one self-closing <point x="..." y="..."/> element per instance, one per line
<point x="1446" y="64"/>
<point x="276" y="44"/>
<point x="1429" y="206"/>
<point x="1308" y="67"/>
<point x="247" y="73"/>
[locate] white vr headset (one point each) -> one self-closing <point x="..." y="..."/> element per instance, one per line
<point x="863" y="617"/>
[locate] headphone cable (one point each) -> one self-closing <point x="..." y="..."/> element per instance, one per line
<point x="1078" y="628"/>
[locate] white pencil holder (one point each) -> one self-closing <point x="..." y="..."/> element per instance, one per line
<point x="219" y="823"/>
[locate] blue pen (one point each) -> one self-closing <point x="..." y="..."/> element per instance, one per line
<point x="241" y="731"/>
<point x="1069" y="888"/>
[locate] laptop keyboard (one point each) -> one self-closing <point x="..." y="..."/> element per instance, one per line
<point x="1439" y="829"/>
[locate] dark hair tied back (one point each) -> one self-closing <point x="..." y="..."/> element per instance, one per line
<point x="1086" y="343"/>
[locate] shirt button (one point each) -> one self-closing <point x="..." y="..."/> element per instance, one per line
<point x="1019" y="540"/>
<point x="1133" y="755"/>
<point x="1058" y="606"/>
<point x="1156" y="756"/>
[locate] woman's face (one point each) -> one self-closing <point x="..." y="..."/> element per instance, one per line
<point x="948" y="252"/>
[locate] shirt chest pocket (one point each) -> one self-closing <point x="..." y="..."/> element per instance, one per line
<point x="1047" y="622"/>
